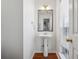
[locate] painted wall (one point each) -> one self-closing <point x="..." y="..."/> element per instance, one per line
<point x="75" y="36"/>
<point x="52" y="40"/>
<point x="75" y="16"/>
<point x="11" y="29"/>
<point x="28" y="28"/>
<point x="58" y="26"/>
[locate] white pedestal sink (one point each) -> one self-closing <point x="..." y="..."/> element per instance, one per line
<point x="45" y="37"/>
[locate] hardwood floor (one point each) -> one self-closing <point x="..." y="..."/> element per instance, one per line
<point x="40" y="56"/>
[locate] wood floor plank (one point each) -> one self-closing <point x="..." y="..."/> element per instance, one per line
<point x="40" y="56"/>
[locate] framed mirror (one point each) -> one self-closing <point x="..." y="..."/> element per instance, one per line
<point x="45" y="20"/>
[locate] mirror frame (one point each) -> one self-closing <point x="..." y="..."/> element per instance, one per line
<point x="39" y="19"/>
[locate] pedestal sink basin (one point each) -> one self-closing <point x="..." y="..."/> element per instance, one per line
<point x="45" y="37"/>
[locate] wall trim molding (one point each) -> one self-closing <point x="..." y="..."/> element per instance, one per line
<point x="58" y="55"/>
<point x="32" y="55"/>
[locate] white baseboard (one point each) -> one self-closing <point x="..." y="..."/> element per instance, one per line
<point x="32" y="55"/>
<point x="58" y="55"/>
<point x="42" y="51"/>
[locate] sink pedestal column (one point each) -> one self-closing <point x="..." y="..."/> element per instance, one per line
<point x="45" y="47"/>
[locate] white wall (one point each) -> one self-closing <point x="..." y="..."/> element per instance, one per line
<point x="58" y="26"/>
<point x="75" y="36"/>
<point x="28" y="30"/>
<point x="75" y="16"/>
<point x="52" y="41"/>
<point x="11" y="29"/>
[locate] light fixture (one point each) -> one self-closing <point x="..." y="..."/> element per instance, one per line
<point x="44" y="7"/>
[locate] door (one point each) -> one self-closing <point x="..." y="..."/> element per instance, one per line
<point x="11" y="29"/>
<point x="67" y="25"/>
<point x="73" y="29"/>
